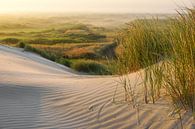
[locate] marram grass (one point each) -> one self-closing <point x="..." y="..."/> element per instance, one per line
<point x="167" y="54"/>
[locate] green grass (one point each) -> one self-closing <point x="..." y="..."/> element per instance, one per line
<point x="167" y="54"/>
<point x="78" y="50"/>
<point x="164" y="48"/>
<point x="92" y="67"/>
<point x="62" y="38"/>
<point x="80" y="65"/>
<point x="58" y="35"/>
<point x="45" y="54"/>
<point x="49" y="30"/>
<point x="64" y="62"/>
<point x="180" y="75"/>
<point x="141" y="45"/>
<point x="21" y="45"/>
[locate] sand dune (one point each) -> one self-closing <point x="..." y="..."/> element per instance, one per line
<point x="39" y="94"/>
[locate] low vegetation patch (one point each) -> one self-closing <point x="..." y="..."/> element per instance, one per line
<point x="64" y="62"/>
<point x="91" y="67"/>
<point x="59" y="40"/>
<point x="84" y="65"/>
<point x="21" y="45"/>
<point x="10" y="40"/>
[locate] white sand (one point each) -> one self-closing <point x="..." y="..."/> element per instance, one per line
<point x="37" y="93"/>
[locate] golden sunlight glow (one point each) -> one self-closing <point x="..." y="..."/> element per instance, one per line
<point x="131" y="6"/>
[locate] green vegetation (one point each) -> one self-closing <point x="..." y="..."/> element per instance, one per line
<point x="63" y="39"/>
<point x="21" y="45"/>
<point x="10" y="40"/>
<point x="66" y="39"/>
<point x="44" y="54"/>
<point x="167" y="54"/>
<point x="81" y="65"/>
<point x="64" y="61"/>
<point x="141" y="45"/>
<point x="91" y="67"/>
<point x="180" y="75"/>
<point x="77" y="33"/>
<point x="164" y="48"/>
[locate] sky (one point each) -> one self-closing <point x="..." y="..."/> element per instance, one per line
<point x="99" y="6"/>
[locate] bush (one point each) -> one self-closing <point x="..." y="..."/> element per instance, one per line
<point x="108" y="50"/>
<point x="43" y="53"/>
<point x="21" y="45"/>
<point x="64" y="61"/>
<point x="10" y="40"/>
<point x="29" y="48"/>
<point x="89" y="66"/>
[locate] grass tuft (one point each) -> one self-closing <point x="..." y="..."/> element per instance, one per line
<point x="167" y="54"/>
<point x="91" y="67"/>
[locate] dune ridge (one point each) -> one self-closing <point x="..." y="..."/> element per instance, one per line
<point x="36" y="93"/>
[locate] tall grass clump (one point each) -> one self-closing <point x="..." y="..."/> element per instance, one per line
<point x="167" y="54"/>
<point x="180" y="70"/>
<point x="141" y="46"/>
<point x="21" y="44"/>
<point x="43" y="53"/>
<point x="64" y="61"/>
<point x="89" y="66"/>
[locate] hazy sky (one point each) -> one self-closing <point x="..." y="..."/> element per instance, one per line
<point x="128" y="6"/>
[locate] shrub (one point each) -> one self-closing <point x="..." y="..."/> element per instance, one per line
<point x="11" y="40"/>
<point x="30" y="48"/>
<point x="43" y="53"/>
<point x="21" y="45"/>
<point x="64" y="61"/>
<point x="89" y="66"/>
<point x="108" y="50"/>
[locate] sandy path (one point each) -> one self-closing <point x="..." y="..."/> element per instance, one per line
<point x="37" y="93"/>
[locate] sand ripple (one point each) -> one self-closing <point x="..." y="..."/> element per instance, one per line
<point x="38" y="94"/>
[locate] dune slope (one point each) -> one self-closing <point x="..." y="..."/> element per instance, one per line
<point x="37" y="93"/>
